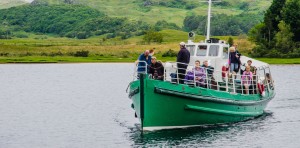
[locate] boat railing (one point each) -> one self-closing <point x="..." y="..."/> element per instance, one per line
<point x="232" y="83"/>
<point x="171" y="72"/>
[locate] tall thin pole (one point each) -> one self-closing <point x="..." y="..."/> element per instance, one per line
<point x="208" y="20"/>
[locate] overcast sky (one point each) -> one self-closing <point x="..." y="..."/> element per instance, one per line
<point x="29" y="0"/>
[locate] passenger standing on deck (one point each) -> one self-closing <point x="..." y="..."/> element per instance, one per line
<point x="235" y="45"/>
<point x="234" y="60"/>
<point x="151" y="51"/>
<point x="183" y="58"/>
<point x="144" y="61"/>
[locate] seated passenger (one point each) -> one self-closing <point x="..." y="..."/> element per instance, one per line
<point x="253" y="70"/>
<point x="269" y="81"/>
<point x="209" y="69"/>
<point x="156" y="69"/>
<point x="247" y="79"/>
<point x="199" y="74"/>
<point x="225" y="69"/>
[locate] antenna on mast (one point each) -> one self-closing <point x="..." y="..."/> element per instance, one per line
<point x="208" y="18"/>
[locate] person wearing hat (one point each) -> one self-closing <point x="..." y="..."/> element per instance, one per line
<point x="156" y="69"/>
<point x="183" y="59"/>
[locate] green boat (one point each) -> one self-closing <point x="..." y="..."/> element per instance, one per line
<point x="166" y="104"/>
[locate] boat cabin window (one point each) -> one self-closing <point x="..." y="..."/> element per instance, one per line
<point x="191" y="48"/>
<point x="201" y="50"/>
<point x="225" y="52"/>
<point x="213" y="50"/>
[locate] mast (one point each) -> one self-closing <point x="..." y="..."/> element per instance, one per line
<point x="208" y="20"/>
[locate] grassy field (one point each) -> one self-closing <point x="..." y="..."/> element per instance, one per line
<point x="280" y="61"/>
<point x="51" y="49"/>
<point x="11" y="3"/>
<point x="135" y="10"/>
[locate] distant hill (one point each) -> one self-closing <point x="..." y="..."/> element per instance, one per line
<point x="114" y="18"/>
<point x="11" y="3"/>
<point x="173" y="11"/>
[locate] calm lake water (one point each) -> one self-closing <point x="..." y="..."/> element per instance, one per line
<point x="86" y="106"/>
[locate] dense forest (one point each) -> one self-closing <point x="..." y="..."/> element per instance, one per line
<point x="222" y="25"/>
<point x="65" y="20"/>
<point x="279" y="34"/>
<point x="73" y="21"/>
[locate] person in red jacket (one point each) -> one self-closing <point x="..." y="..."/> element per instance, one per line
<point x="225" y="69"/>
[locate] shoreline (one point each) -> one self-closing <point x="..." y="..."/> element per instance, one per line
<point x="66" y="60"/>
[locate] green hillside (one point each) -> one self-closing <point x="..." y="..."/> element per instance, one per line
<point x="83" y="19"/>
<point x="173" y="11"/>
<point x="11" y="3"/>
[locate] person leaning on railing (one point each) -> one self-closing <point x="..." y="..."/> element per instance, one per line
<point x="142" y="66"/>
<point x="156" y="69"/>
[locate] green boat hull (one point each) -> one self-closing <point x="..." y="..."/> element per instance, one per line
<point x="163" y="105"/>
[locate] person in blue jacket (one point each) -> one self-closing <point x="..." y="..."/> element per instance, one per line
<point x="142" y="65"/>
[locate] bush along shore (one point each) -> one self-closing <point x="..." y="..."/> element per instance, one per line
<point x="52" y="49"/>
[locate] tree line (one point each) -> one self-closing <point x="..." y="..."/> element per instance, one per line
<point x="222" y="24"/>
<point x="72" y="21"/>
<point x="279" y="33"/>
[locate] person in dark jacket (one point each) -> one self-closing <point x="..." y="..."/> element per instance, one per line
<point x="234" y="60"/>
<point x="142" y="65"/>
<point x="209" y="69"/>
<point x="156" y="69"/>
<point x="183" y="58"/>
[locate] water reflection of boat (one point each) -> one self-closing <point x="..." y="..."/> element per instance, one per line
<point x="167" y="104"/>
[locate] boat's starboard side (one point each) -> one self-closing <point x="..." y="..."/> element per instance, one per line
<point x="169" y="105"/>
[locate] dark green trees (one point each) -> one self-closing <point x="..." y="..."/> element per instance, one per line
<point x="279" y="34"/>
<point x="66" y="20"/>
<point x="222" y="24"/>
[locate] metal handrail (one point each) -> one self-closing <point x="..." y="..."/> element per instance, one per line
<point x="233" y="84"/>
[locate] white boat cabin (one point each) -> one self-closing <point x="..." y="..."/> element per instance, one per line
<point x="214" y="51"/>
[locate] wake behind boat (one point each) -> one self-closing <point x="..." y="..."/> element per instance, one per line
<point x="218" y="98"/>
